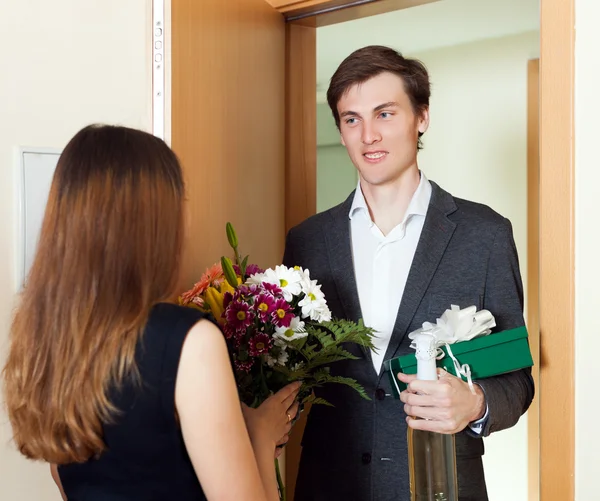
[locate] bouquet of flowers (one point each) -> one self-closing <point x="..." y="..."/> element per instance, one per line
<point x="278" y="327"/>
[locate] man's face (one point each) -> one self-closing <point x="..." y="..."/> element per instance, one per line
<point x="380" y="129"/>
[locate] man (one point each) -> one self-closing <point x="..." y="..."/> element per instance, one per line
<point x="398" y="252"/>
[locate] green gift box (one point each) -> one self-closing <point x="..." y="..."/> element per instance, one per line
<point x="486" y="356"/>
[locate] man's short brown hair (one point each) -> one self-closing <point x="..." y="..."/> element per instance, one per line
<point x="368" y="62"/>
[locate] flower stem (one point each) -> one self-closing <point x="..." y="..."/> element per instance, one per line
<point x="279" y="481"/>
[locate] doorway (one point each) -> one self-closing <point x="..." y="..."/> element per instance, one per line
<point x="476" y="146"/>
<point x="217" y="88"/>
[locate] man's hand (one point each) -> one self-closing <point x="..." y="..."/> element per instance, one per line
<point x="445" y="406"/>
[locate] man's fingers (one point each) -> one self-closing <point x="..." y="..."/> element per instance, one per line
<point x="446" y="426"/>
<point x="433" y="413"/>
<point x="406" y="378"/>
<point x="414" y="399"/>
<point x="439" y="388"/>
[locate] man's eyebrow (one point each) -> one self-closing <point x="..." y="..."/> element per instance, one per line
<point x="349" y="113"/>
<point x="389" y="104"/>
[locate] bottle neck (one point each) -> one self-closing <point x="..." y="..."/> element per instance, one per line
<point x="427" y="370"/>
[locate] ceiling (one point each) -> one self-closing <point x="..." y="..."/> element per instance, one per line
<point x="419" y="29"/>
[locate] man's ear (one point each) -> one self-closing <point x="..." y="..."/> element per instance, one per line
<point x="423" y="120"/>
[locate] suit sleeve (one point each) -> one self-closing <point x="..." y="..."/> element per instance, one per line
<point x="288" y="253"/>
<point x="507" y="396"/>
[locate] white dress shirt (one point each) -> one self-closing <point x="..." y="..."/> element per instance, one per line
<point x="382" y="263"/>
<point x="381" y="267"/>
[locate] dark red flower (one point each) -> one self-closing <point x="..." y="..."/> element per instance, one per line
<point x="282" y="313"/>
<point x="273" y="289"/>
<point x="244" y="366"/>
<point x="264" y="305"/>
<point x="260" y="344"/>
<point x="239" y="315"/>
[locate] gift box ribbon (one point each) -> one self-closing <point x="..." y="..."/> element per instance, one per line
<point x="454" y="326"/>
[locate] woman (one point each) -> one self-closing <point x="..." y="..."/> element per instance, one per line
<point x="132" y="397"/>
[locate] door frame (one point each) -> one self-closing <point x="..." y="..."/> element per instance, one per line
<point x="556" y="199"/>
<point x="533" y="269"/>
<point x="555" y="447"/>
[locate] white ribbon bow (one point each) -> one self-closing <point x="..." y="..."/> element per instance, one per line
<point x="454" y="326"/>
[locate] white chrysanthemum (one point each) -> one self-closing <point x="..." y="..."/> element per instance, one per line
<point x="305" y="282"/>
<point x="255" y="279"/>
<point x="322" y="314"/>
<point x="288" y="279"/>
<point x="281" y="359"/>
<point x="314" y="304"/>
<point x="280" y="342"/>
<point x="294" y="331"/>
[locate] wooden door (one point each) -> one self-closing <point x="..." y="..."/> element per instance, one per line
<point x="533" y="265"/>
<point x="227" y="126"/>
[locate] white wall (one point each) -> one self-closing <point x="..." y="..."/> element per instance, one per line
<point x="587" y="243"/>
<point x="65" y="64"/>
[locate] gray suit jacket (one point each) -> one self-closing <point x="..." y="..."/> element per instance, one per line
<point x="357" y="450"/>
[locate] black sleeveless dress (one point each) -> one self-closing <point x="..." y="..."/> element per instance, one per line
<point x="146" y="458"/>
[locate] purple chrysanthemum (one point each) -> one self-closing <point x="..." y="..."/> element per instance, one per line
<point x="273" y="289"/>
<point x="264" y="305"/>
<point x="228" y="330"/>
<point x="248" y="290"/>
<point x="251" y="269"/>
<point x="282" y="314"/>
<point x="239" y="315"/>
<point x="244" y="366"/>
<point x="259" y="344"/>
<point x="227" y="298"/>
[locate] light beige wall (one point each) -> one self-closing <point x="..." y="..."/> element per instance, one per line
<point x="65" y="64"/>
<point x="336" y="176"/>
<point x="476" y="148"/>
<point x="587" y="243"/>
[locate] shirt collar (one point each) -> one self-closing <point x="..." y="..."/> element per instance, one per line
<point x="418" y="205"/>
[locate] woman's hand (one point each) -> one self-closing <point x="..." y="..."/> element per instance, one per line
<point x="272" y="420"/>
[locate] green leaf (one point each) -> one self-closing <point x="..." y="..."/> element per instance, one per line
<point x="298" y="344"/>
<point x="329" y="356"/>
<point x="311" y="399"/>
<point x="243" y="267"/>
<point x="345" y="331"/>
<point x="323" y="378"/>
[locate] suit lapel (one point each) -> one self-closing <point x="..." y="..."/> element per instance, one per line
<point x="339" y="253"/>
<point x="435" y="236"/>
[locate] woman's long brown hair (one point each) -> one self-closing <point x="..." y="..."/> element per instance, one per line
<point x="109" y="249"/>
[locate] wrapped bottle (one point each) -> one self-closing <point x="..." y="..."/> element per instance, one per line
<point x="431" y="456"/>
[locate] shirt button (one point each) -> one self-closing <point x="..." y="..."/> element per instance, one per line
<point x="380" y="394"/>
<point x="366" y="458"/>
